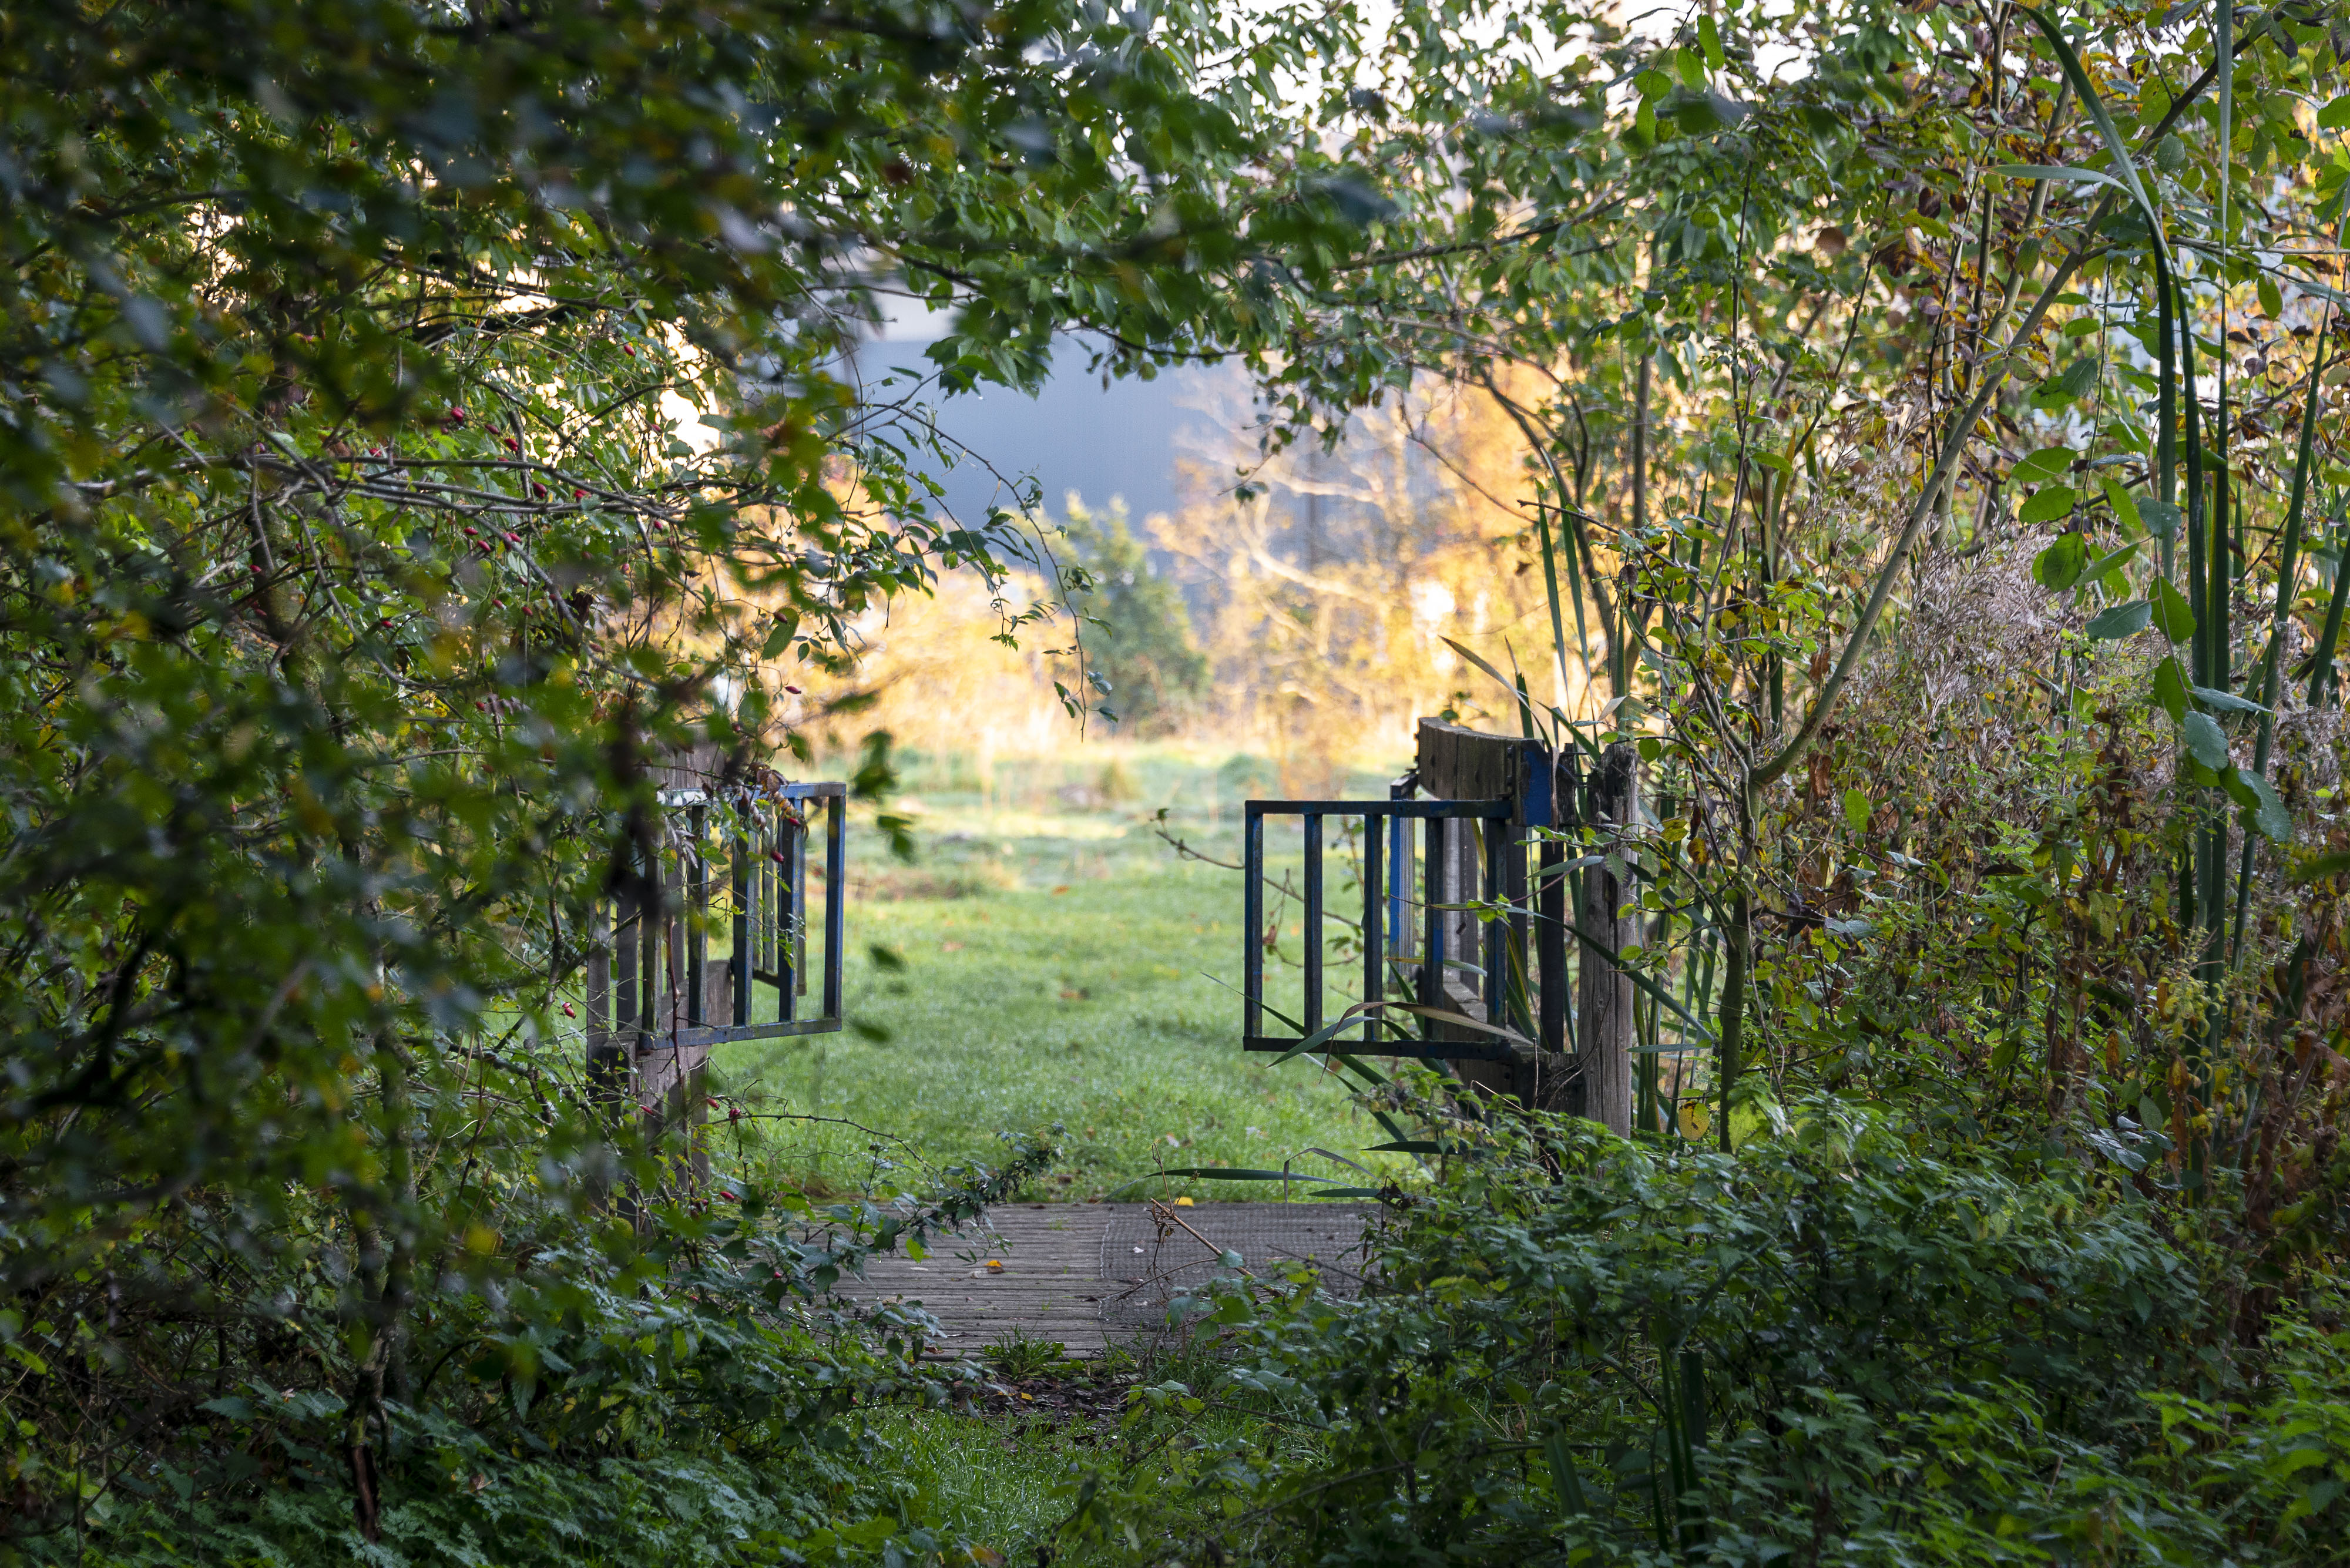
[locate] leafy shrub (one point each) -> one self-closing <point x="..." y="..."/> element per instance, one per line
<point x="1840" y="1343"/>
<point x="620" y="1401"/>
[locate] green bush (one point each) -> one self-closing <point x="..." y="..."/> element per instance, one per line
<point x="1138" y="637"/>
<point x="620" y="1402"/>
<point x="1839" y="1344"/>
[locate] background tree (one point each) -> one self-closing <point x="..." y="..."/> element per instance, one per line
<point x="1137" y="634"/>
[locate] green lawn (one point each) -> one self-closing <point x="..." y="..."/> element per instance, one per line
<point x="1055" y="962"/>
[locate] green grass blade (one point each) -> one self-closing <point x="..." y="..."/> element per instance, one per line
<point x="2096" y="105"/>
<point x="2289" y="557"/>
<point x="2166" y="415"/>
<point x="2321" y="672"/>
<point x="1226" y="1173"/>
<point x="1641" y="981"/>
<point x="2197" y="579"/>
<point x="1550" y="588"/>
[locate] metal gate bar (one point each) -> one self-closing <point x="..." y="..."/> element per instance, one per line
<point x="765" y="853"/>
<point x="1386" y="881"/>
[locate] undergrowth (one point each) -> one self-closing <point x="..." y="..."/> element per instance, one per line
<point x="1850" y="1342"/>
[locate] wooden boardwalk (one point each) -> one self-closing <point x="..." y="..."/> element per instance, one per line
<point x="1086" y="1274"/>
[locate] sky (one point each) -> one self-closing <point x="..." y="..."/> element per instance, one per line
<point x="1074" y="435"/>
<point x="1104" y="444"/>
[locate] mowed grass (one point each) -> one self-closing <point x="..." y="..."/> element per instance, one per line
<point x="1047" y="961"/>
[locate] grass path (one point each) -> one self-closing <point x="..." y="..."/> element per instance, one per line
<point x="1065" y="982"/>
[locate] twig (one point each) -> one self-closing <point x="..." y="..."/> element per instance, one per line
<point x="1165" y="1215"/>
<point x="1188" y="853"/>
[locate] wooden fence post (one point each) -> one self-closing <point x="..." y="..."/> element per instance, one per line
<point x="1458" y="764"/>
<point x="1604" y="1019"/>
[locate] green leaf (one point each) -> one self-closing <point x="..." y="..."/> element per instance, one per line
<point x="2111" y="562"/>
<point x="2334" y="114"/>
<point x="2121" y="620"/>
<point x="2048" y="503"/>
<point x="2172" y="615"/>
<point x="871" y="1533"/>
<point x="1221" y="1173"/>
<point x="2263" y="809"/>
<point x="2123" y="504"/>
<point x="1708" y="37"/>
<point x="1857" y="810"/>
<point x="2271" y="297"/>
<point x="2046" y="463"/>
<point x="2314" y="870"/>
<point x="2058" y="567"/>
<point x="1356" y="198"/>
<point x="2273" y="821"/>
<point x="2225" y="701"/>
<point x="2161" y="517"/>
<point x="2203" y="740"/>
<point x="2170" y="689"/>
<point x="1566" y="1485"/>
<point x="2074" y="382"/>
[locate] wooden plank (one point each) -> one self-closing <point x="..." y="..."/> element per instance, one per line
<point x="1047" y="1283"/>
<point x="1048" y="1271"/>
<point x="1604" y="1009"/>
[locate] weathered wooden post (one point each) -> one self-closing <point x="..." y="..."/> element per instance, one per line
<point x="1604" y="1016"/>
<point x="1486" y="858"/>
